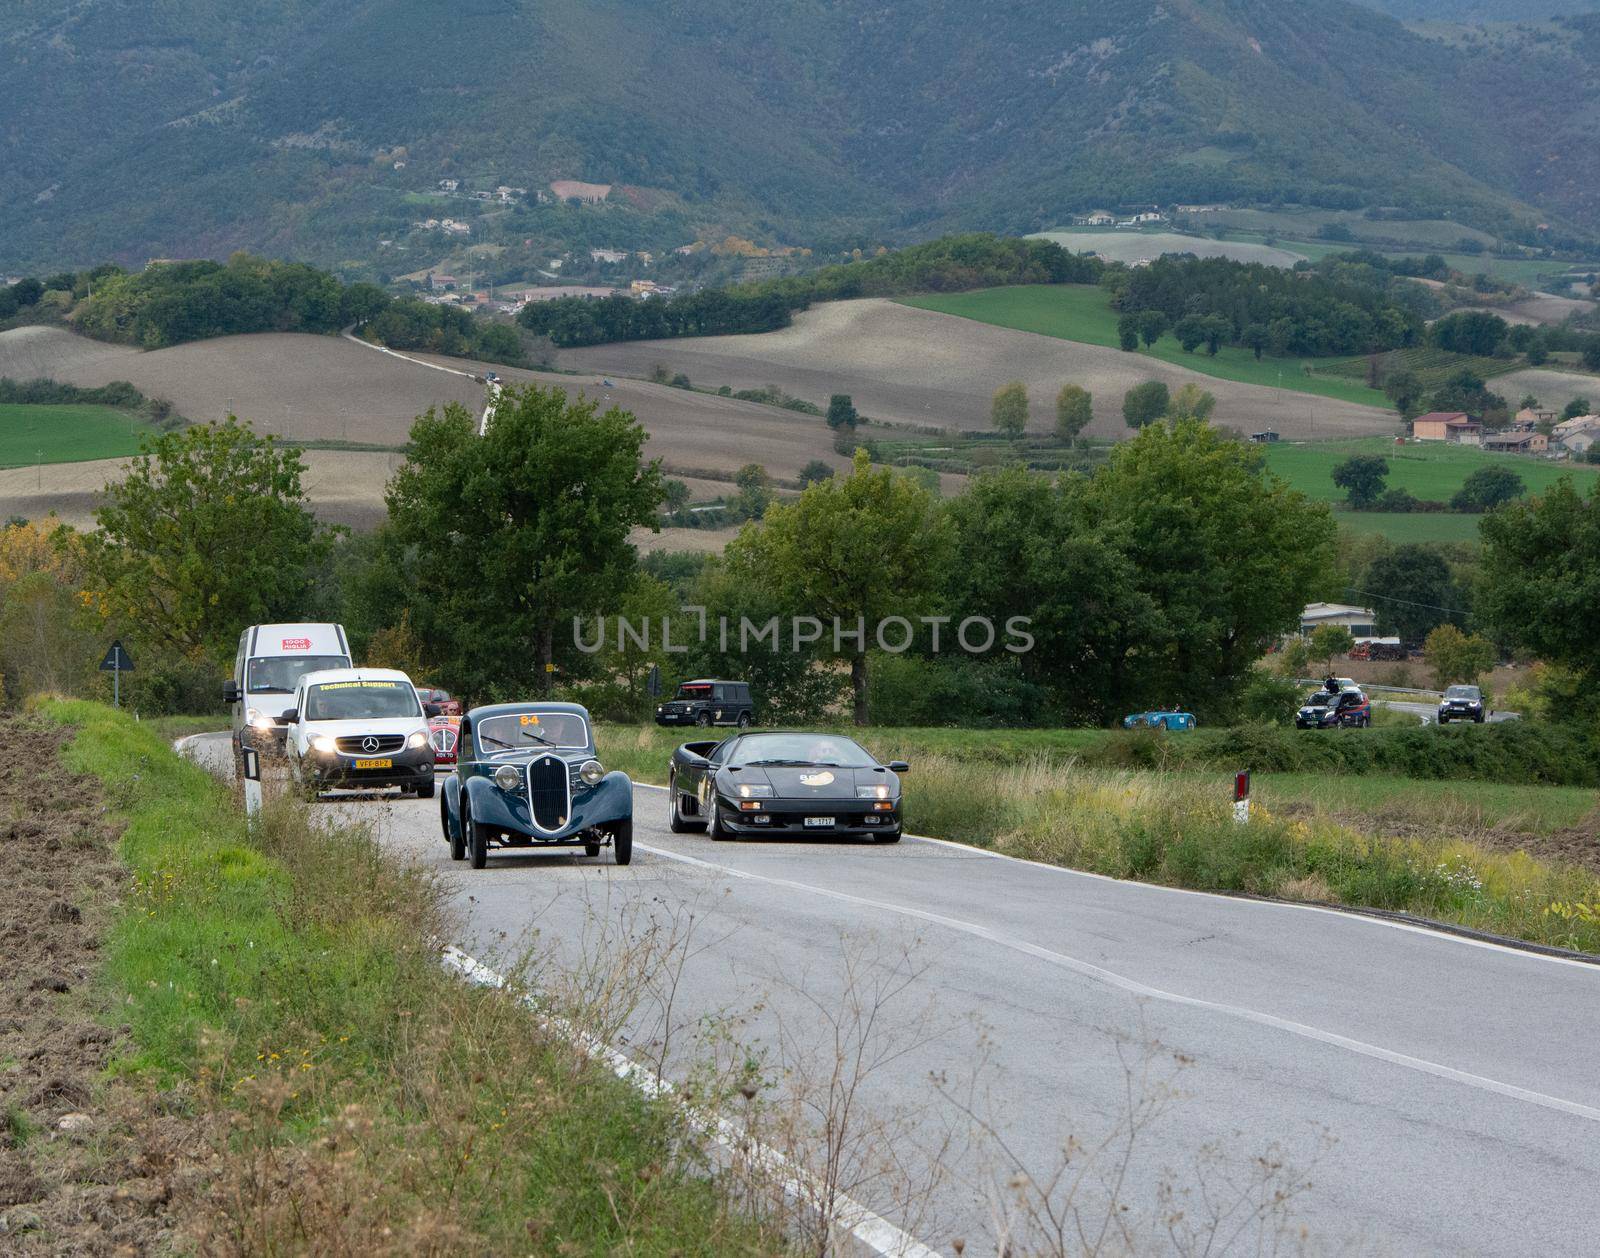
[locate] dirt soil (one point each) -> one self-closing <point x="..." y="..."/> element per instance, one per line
<point x="85" y="1167"/>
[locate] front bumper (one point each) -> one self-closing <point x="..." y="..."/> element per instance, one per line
<point x="676" y="718"/>
<point x="851" y="818"/>
<point x="407" y="767"/>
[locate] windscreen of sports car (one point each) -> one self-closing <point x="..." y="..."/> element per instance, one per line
<point x="532" y="731"/>
<point x="807" y="782"/>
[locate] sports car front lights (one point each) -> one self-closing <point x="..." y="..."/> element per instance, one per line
<point x="754" y="790"/>
<point x="872" y="792"/>
<point x="591" y="772"/>
<point x="324" y="744"/>
<point x="507" y="778"/>
<point x="419" y="739"/>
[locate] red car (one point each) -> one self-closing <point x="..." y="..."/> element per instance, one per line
<point x="438" y="702"/>
<point x="444" y="732"/>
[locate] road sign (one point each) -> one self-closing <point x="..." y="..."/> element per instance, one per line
<point x="117" y="662"/>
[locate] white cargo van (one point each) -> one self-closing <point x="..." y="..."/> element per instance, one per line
<point x="269" y="665"/>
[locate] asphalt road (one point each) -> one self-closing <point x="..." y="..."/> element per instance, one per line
<point x="1428" y="713"/>
<point x="1439" y="1094"/>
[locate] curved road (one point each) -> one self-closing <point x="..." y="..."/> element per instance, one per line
<point x="1439" y="1093"/>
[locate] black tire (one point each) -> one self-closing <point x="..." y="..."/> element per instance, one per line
<point x="425" y="789"/>
<point x="457" y="840"/>
<point x="889" y="838"/>
<point x="676" y="821"/>
<point x="591" y="849"/>
<point x="703" y="720"/>
<point x="744" y="720"/>
<point x="715" y="828"/>
<point x="477" y="841"/>
<point x="622" y="841"/>
<point x="1477" y="720"/>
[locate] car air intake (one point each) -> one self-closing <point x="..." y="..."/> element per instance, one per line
<point x="547" y="792"/>
<point x="370" y="744"/>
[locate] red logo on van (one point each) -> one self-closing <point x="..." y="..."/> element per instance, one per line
<point x="297" y="644"/>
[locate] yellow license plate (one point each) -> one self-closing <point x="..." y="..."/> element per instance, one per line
<point x="374" y="764"/>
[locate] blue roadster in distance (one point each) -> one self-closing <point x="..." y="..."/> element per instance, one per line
<point x="526" y="776"/>
<point x="1159" y="720"/>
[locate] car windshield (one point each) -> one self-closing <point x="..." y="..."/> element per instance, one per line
<point x="280" y="674"/>
<point x="361" y="700"/>
<point x="1320" y="699"/>
<point x="1461" y="692"/>
<point x="694" y="692"/>
<point x="829" y="749"/>
<point x="524" y="731"/>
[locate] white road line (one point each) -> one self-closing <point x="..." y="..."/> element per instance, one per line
<point x="872" y="1230"/>
<point x="1136" y="988"/>
<point x="1427" y="932"/>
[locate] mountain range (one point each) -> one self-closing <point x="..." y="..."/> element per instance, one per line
<point x="319" y="128"/>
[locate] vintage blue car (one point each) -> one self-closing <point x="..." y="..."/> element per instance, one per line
<point x="1159" y="720"/>
<point x="526" y="776"/>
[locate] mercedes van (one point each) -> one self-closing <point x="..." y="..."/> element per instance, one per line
<point x="268" y="667"/>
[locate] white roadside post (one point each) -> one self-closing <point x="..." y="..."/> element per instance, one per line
<point x="1241" y="797"/>
<point x="252" y="781"/>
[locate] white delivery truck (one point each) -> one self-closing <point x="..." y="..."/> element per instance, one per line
<point x="269" y="665"/>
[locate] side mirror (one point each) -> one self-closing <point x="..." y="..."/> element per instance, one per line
<point x="432" y="709"/>
<point x="898" y="766"/>
<point x="289" y="717"/>
<point x="230" y="692"/>
<point x="696" y="762"/>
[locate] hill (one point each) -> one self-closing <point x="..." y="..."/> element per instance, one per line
<point x="1482" y="10"/>
<point x="321" y="129"/>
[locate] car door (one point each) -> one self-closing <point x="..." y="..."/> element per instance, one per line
<point x="703" y="787"/>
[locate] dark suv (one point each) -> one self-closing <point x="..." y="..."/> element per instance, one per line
<point x="1461" y="703"/>
<point x="708" y="702"/>
<point x="1332" y="707"/>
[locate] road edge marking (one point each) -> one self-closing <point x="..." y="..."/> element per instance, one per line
<point x="872" y="1230"/>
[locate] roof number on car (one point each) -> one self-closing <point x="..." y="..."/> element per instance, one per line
<point x="297" y="644"/>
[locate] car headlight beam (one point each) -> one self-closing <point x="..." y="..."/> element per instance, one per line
<point x="591" y="772"/>
<point x="419" y="739"/>
<point x="323" y="743"/>
<point x="507" y="777"/>
<point x="754" y="790"/>
<point x="872" y="792"/>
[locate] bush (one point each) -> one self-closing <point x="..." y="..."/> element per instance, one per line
<point x="175" y="686"/>
<point x="1268" y="700"/>
<point x="912" y="690"/>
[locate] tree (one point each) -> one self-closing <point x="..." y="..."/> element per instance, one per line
<point x="1190" y="331"/>
<point x="1539" y="588"/>
<point x="884" y="539"/>
<point x="1362" y="478"/>
<point x="1256" y="338"/>
<point x="509" y="536"/>
<point x="842" y="413"/>
<point x="1488" y="488"/>
<point x="674" y="496"/>
<point x="1128" y="331"/>
<point x="1152" y="326"/>
<point x="1191" y="402"/>
<point x="1215" y="330"/>
<point x="1074" y="410"/>
<point x="1010" y="409"/>
<point x="1591" y="353"/>
<point x="1404" y="388"/>
<point x="1457" y="658"/>
<point x="206" y="533"/>
<point x="755" y="492"/>
<point x="1579" y="406"/>
<point x="1145" y="403"/>
<point x="1412" y="589"/>
<point x="1328" y="641"/>
<point x="1474" y="332"/>
<point x="814" y="471"/>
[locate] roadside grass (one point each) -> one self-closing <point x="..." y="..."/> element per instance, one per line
<point x="66" y="434"/>
<point x="171" y="728"/>
<point x="1430" y="470"/>
<point x="285" y="977"/>
<point x="1076" y="312"/>
<point x="1173" y="830"/>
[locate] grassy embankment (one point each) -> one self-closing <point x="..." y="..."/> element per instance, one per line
<point x="66" y="434"/>
<point x="1075" y="312"/>
<point x="1418" y="830"/>
<point x="284" y="979"/>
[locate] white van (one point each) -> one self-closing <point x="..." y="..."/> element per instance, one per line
<point x="268" y="667"/>
<point x="362" y="728"/>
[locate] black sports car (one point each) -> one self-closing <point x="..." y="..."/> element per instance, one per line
<point x="784" y="783"/>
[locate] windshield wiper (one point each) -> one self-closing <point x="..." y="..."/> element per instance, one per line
<point x="490" y="738"/>
<point x="272" y="690"/>
<point x="756" y="764"/>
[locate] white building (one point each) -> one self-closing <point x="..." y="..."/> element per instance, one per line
<point x="1362" y="622"/>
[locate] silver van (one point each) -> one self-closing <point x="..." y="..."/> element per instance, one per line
<point x="269" y="664"/>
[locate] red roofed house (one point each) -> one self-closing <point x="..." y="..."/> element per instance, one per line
<point x="1447" y="426"/>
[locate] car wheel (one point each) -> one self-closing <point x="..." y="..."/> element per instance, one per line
<point x="889" y="838"/>
<point x="457" y="840"/>
<point x="1478" y="720"/>
<point x="703" y="720"/>
<point x="744" y="720"/>
<point x="425" y="789"/>
<point x="717" y="830"/>
<point x="676" y="821"/>
<point x="477" y="841"/>
<point x="622" y="841"/>
<point x="591" y="849"/>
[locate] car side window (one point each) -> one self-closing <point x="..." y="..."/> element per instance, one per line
<point x="719" y="753"/>
<point x="464" y="740"/>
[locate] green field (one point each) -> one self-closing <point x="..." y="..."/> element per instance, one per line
<point x="1433" y="367"/>
<point x="66" y="434"/>
<point x="1419" y="526"/>
<point x="1432" y="471"/>
<point x="1076" y="312"/>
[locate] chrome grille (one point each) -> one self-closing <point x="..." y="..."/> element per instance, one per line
<point x="548" y="785"/>
<point x="370" y="744"/>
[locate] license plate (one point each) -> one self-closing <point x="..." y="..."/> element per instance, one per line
<point x="819" y="823"/>
<point x="374" y="764"/>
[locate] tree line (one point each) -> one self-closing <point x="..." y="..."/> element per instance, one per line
<point x="950" y="264"/>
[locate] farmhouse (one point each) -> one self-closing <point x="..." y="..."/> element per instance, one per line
<point x="1362" y="622"/>
<point x="1100" y="218"/>
<point x="1517" y="442"/>
<point x="1577" y="435"/>
<point x="1453" y="426"/>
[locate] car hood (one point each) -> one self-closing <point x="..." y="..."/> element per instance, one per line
<point x="806" y="782"/>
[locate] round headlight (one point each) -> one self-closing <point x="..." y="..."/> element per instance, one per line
<point x="419" y="739"/>
<point x="322" y="743"/>
<point x="592" y="772"/>
<point x="507" y="778"/>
